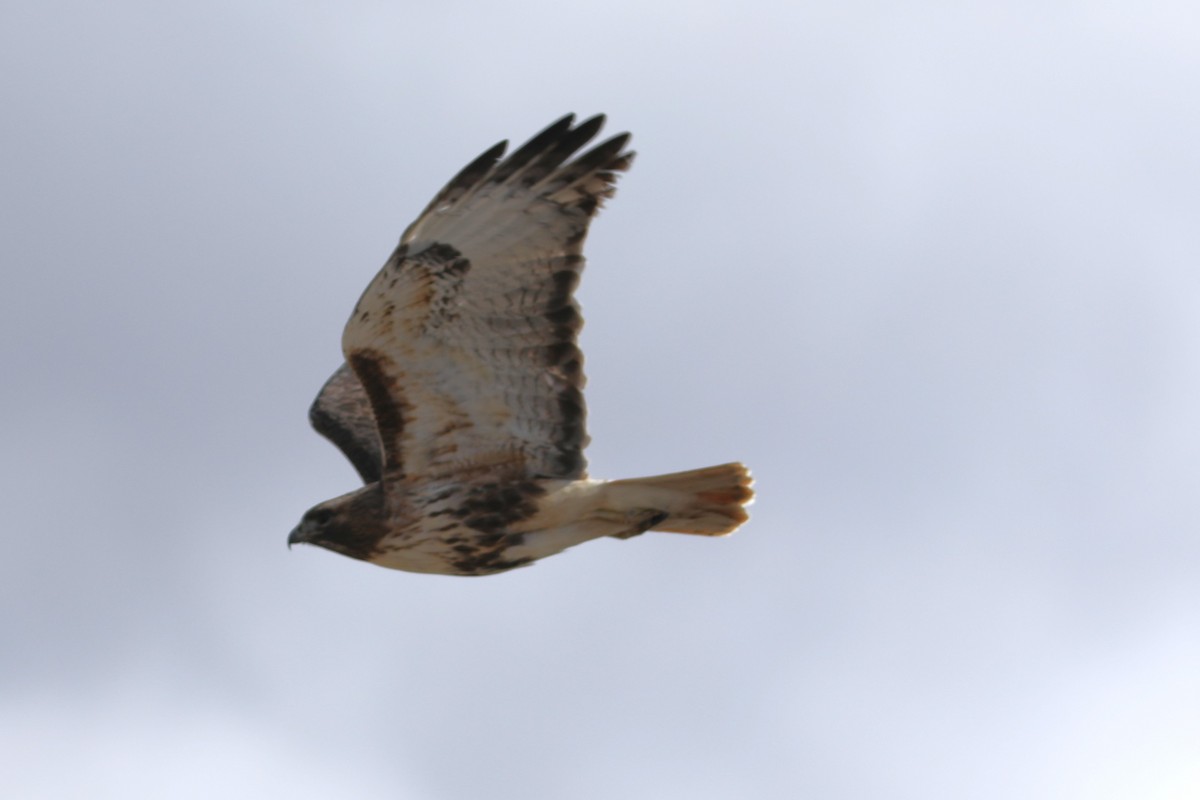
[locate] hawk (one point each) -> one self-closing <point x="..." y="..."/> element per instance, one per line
<point x="460" y="401"/>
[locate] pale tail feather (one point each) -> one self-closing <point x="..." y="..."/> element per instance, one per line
<point x="706" y="502"/>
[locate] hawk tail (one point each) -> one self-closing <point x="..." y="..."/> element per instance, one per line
<point x="706" y="502"/>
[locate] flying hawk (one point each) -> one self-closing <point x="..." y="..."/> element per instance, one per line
<point x="460" y="403"/>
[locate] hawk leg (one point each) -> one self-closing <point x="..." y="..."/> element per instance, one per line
<point x="645" y="523"/>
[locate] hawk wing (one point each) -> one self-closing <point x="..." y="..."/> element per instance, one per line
<point x="342" y="414"/>
<point x="465" y="341"/>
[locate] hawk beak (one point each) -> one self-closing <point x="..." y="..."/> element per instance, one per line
<point x="296" y="537"/>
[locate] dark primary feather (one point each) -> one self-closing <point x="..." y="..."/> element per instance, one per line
<point x="468" y="176"/>
<point x="531" y="149"/>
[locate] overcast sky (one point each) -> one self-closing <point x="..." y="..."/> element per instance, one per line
<point x="931" y="269"/>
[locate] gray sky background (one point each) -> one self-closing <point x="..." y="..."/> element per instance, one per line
<point x="930" y="269"/>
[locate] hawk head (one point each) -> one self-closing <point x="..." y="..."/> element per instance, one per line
<point x="351" y="524"/>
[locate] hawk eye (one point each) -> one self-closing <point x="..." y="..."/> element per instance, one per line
<point x="321" y="516"/>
